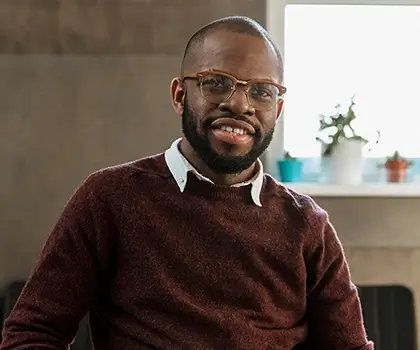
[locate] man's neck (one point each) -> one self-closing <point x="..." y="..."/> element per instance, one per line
<point x="220" y="179"/>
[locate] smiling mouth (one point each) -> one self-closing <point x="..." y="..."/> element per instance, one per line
<point x="232" y="136"/>
<point x="235" y="131"/>
<point x="234" y="126"/>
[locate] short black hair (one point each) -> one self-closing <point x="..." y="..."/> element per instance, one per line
<point x="234" y="24"/>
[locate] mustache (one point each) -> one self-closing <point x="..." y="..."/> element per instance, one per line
<point x="212" y="119"/>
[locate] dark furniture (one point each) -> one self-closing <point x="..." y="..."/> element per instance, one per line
<point x="389" y="314"/>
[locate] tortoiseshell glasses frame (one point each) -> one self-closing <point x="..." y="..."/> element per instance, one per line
<point x="218" y="87"/>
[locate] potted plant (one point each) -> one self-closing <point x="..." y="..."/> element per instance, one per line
<point x="290" y="168"/>
<point x="338" y="128"/>
<point x="342" y="146"/>
<point x="396" y="167"/>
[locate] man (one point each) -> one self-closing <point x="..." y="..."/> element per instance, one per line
<point x="197" y="248"/>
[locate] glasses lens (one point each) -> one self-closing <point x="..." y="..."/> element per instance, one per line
<point x="263" y="96"/>
<point x="216" y="88"/>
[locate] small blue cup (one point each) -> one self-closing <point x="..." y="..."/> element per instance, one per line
<point x="290" y="170"/>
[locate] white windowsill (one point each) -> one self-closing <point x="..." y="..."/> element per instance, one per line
<point x="404" y="190"/>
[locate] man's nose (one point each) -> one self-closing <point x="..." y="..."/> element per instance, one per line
<point x="238" y="103"/>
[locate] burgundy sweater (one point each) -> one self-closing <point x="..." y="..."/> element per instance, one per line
<point x="202" y="269"/>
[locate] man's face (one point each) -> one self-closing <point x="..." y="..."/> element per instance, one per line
<point x="198" y="133"/>
<point x="208" y="126"/>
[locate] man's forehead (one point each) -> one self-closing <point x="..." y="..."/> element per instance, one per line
<point x="245" y="56"/>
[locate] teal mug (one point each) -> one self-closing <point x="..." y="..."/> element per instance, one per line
<point x="290" y="170"/>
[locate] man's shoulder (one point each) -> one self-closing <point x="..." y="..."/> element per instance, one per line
<point x="305" y="204"/>
<point x="116" y="178"/>
<point x="300" y="209"/>
<point x="151" y="165"/>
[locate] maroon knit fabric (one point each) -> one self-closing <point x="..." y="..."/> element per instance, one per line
<point x="203" y="269"/>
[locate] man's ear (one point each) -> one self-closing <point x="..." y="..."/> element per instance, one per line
<point x="279" y="108"/>
<point x="177" y="95"/>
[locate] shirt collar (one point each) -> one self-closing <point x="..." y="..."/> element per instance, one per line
<point x="180" y="167"/>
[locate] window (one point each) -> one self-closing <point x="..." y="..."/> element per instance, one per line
<point x="333" y="52"/>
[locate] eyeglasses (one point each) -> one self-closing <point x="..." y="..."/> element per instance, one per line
<point x="218" y="87"/>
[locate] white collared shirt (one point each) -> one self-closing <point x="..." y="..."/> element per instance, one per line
<point x="180" y="167"/>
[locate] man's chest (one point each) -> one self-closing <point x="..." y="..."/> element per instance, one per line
<point x="223" y="254"/>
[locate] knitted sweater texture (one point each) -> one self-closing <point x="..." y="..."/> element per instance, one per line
<point x="199" y="270"/>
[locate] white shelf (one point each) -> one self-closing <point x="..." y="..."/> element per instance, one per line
<point x="366" y="190"/>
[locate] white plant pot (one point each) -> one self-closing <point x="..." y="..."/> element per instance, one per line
<point x="346" y="163"/>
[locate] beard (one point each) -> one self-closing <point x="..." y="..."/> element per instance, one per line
<point x="220" y="163"/>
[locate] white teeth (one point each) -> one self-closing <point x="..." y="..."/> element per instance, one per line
<point x="237" y="131"/>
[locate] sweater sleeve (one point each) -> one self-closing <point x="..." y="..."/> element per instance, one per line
<point x="63" y="284"/>
<point x="334" y="314"/>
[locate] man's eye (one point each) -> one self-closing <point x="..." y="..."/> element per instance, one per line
<point x="215" y="83"/>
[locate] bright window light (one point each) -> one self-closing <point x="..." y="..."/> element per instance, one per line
<point x="333" y="52"/>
